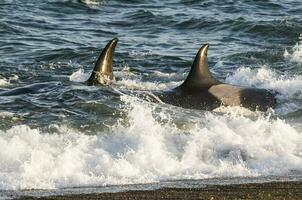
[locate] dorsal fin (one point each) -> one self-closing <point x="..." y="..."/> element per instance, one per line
<point x="103" y="68"/>
<point x="199" y="75"/>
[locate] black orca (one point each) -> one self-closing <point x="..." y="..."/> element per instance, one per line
<point x="202" y="91"/>
<point x="102" y="73"/>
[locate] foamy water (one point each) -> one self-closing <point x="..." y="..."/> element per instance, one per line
<point x="131" y="81"/>
<point x="295" y="54"/>
<point x="79" y="76"/>
<point x="149" y="149"/>
<point x="4" y="82"/>
<point x="288" y="88"/>
<point x="156" y="142"/>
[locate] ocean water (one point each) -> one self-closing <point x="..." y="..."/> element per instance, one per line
<point x="65" y="134"/>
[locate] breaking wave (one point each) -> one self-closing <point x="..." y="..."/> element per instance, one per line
<point x="149" y="145"/>
<point x="295" y="54"/>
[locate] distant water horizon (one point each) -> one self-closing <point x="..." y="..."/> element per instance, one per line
<point x="66" y="134"/>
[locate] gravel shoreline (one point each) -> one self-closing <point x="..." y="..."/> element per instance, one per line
<point x="271" y="190"/>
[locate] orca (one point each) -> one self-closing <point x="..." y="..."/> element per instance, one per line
<point x="102" y="73"/>
<point x="202" y="91"/>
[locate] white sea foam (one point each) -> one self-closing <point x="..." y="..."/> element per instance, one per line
<point x="267" y="78"/>
<point x="87" y="2"/>
<point x="295" y="54"/>
<point x="135" y="84"/>
<point x="79" y="76"/>
<point x="4" y="81"/>
<point x="130" y="80"/>
<point x="150" y="147"/>
<point x="134" y="81"/>
<point x="289" y="88"/>
<point x="94" y="2"/>
<point x="137" y="54"/>
<point x="7" y="81"/>
<point x="4" y="114"/>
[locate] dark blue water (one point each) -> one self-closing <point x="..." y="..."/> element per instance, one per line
<point x="62" y="133"/>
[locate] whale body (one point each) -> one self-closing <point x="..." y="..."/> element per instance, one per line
<point x="202" y="91"/>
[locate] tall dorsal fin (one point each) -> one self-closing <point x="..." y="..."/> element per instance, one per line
<point x="103" y="68"/>
<point x="199" y="75"/>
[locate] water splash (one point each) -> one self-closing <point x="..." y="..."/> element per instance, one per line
<point x="288" y="88"/>
<point x="79" y="76"/>
<point x="131" y="81"/>
<point x="296" y="52"/>
<point x="148" y="146"/>
<point x="94" y="2"/>
<point x="4" y="82"/>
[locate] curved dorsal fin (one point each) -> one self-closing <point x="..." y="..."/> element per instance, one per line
<point x="199" y="75"/>
<point x="104" y="64"/>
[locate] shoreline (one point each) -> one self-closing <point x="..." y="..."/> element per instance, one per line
<point x="268" y="190"/>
